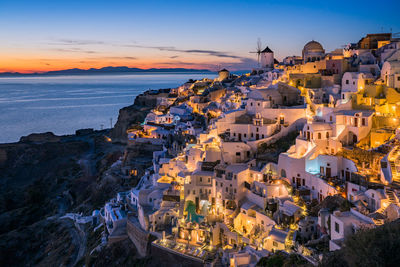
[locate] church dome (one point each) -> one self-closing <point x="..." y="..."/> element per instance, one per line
<point x="313" y="46"/>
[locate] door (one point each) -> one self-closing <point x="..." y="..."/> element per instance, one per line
<point x="197" y="203"/>
<point x="240" y="136"/>
<point x="257" y="136"/>
<point x="298" y="182"/>
<point x="354" y="139"/>
<point x="347" y="176"/>
<point x="328" y="172"/>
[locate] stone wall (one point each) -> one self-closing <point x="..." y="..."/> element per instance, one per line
<point x="140" y="238"/>
<point x="172" y="258"/>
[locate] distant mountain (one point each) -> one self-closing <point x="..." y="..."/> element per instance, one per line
<point x="105" y="70"/>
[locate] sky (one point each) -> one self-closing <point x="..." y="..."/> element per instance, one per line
<point x="37" y="36"/>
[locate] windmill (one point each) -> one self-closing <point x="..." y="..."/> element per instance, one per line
<point x="258" y="51"/>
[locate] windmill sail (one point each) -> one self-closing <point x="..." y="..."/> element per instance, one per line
<point x="258" y="51"/>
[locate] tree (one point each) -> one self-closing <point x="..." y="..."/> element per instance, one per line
<point x="369" y="247"/>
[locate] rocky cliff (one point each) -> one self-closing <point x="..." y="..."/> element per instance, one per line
<point x="135" y="113"/>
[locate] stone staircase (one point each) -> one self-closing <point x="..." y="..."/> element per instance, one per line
<point x="394" y="160"/>
<point x="391" y="195"/>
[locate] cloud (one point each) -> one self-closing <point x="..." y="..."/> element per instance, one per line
<point x="76" y="42"/>
<point x="189" y="51"/>
<point x="118" y="58"/>
<point x="174" y="57"/>
<point x="74" y="50"/>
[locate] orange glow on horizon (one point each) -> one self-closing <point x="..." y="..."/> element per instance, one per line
<point x="31" y="63"/>
<point x="22" y="67"/>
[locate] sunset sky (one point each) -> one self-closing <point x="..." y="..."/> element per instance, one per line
<point x="52" y="35"/>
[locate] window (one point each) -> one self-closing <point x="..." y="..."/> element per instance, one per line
<point x="283" y="173"/>
<point x="363" y="121"/>
<point x="257" y="129"/>
<point x="319" y="135"/>
<point x="398" y="78"/>
<point x="238" y="154"/>
<point x="245" y="135"/>
<point x="201" y="191"/>
<point x="330" y="118"/>
<point x="209" y="179"/>
<point x="337" y="230"/>
<point x="234" y="190"/>
<point x="209" y="191"/>
<point x="304" y="182"/>
<point x="251" y="103"/>
<point x="188" y="192"/>
<point x="293" y="180"/>
<point x="327" y="134"/>
<point x="347" y="81"/>
<point x="201" y="179"/>
<point x="262" y="222"/>
<point x="226" y="189"/>
<point x="274" y="243"/>
<point x="194" y="192"/>
<point x="235" y="176"/>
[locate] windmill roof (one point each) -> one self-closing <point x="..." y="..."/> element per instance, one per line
<point x="267" y="50"/>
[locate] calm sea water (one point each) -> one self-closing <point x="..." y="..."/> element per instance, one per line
<point x="63" y="104"/>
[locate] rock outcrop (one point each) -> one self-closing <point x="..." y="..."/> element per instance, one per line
<point x="136" y="113"/>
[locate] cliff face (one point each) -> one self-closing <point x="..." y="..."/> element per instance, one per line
<point x="135" y="113"/>
<point x="42" y="177"/>
<point x="127" y="116"/>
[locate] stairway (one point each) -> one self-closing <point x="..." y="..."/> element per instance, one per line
<point x="394" y="160"/>
<point x="390" y="194"/>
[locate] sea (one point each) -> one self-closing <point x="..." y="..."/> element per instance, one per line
<point x="63" y="104"/>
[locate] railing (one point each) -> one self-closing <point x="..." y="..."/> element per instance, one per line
<point x="204" y="196"/>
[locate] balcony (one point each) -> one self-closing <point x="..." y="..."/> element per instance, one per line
<point x="204" y="196"/>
